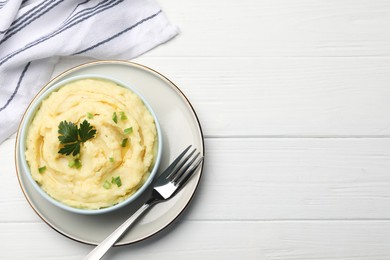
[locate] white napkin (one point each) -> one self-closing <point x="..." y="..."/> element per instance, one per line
<point x="33" y="34"/>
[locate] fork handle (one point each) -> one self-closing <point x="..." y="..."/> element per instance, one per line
<point x="99" y="251"/>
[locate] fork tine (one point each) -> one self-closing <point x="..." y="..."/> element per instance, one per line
<point x="183" y="168"/>
<point x="187" y="175"/>
<point x="178" y="170"/>
<point x="168" y="171"/>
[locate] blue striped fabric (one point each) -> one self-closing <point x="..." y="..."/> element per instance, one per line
<point x="23" y="18"/>
<point x="117" y="35"/>
<point x="70" y="23"/>
<point x="16" y="87"/>
<point x="19" y="24"/>
<point x="33" y="34"/>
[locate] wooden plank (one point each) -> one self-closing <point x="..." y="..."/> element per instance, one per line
<point x="271" y="179"/>
<point x="360" y="240"/>
<point x="295" y="179"/>
<point x="278" y="28"/>
<point x="281" y="96"/>
<point x="13" y="205"/>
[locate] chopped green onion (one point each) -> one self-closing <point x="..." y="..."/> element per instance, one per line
<point x="75" y="164"/>
<point x="128" y="131"/>
<point x="42" y="169"/>
<point x="123" y="115"/>
<point x="115" y="118"/>
<point x="106" y="185"/>
<point x="117" y="180"/>
<point x="89" y="115"/>
<point x="111" y="159"/>
<point x="124" y="142"/>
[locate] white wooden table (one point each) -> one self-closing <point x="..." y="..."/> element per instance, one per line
<point x="294" y="101"/>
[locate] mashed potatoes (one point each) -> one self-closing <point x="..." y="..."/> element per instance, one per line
<point x="122" y="149"/>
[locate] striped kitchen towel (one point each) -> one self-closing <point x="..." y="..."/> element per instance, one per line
<point x="34" y="34"/>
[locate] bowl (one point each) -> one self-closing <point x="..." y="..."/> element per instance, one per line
<point x="26" y="123"/>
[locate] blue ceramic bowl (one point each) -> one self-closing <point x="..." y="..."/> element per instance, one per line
<point x="27" y="119"/>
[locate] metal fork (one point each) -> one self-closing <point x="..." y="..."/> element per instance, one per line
<point x="164" y="188"/>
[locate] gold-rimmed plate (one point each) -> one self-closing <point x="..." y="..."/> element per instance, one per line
<point x="180" y="127"/>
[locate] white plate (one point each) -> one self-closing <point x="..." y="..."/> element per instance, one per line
<point x="180" y="127"/>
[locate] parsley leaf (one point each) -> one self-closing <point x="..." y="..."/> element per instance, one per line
<point x="68" y="132"/>
<point x="86" y="131"/>
<point x="73" y="148"/>
<point x="72" y="136"/>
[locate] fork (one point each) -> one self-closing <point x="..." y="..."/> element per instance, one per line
<point x="164" y="188"/>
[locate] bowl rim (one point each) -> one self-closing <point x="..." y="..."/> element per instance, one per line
<point x="29" y="116"/>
